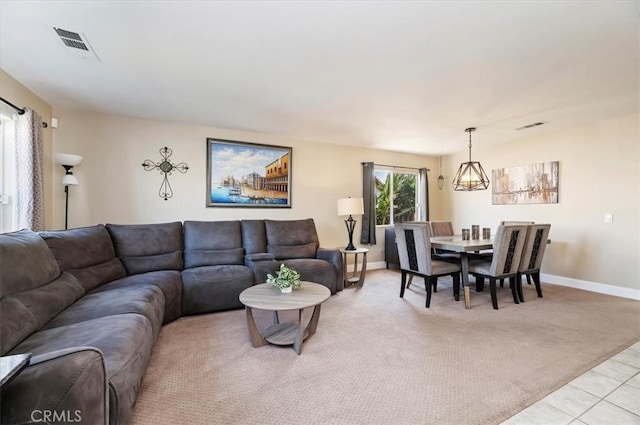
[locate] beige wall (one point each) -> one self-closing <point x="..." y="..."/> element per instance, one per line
<point x="13" y="91"/>
<point x="115" y="188"/>
<point x="599" y="173"/>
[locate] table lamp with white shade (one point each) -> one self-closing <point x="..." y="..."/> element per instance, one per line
<point x="350" y="207"/>
<point x="68" y="161"/>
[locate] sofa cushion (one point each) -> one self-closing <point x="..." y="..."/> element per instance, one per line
<point x="211" y="243"/>
<point x="47" y="301"/>
<point x="291" y="238"/>
<point x="32" y="263"/>
<point x="147" y="300"/>
<point x="87" y="253"/>
<point x="23" y="313"/>
<point x="125" y="340"/>
<point x="148" y="247"/>
<point x="254" y="238"/>
<point x="33" y="290"/>
<point x="282" y="252"/>
<point x="17" y="323"/>
<point x="169" y="282"/>
<point x="214" y="288"/>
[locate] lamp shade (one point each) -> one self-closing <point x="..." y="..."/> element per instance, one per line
<point x="69" y="180"/>
<point x="350" y="206"/>
<point x="68" y="159"/>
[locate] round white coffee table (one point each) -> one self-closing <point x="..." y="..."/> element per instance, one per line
<point x="267" y="297"/>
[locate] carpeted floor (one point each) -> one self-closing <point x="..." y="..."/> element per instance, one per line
<point x="379" y="359"/>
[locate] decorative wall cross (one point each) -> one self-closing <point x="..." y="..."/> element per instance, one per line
<point x="166" y="167"/>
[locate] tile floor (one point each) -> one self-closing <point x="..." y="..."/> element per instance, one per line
<point x="608" y="394"/>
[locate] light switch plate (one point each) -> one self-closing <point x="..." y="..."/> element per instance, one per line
<point x="608" y="218"/>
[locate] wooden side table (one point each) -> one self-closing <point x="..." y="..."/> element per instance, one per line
<point x="354" y="277"/>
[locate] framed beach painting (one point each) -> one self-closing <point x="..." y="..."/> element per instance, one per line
<point x="527" y="184"/>
<point x="241" y="174"/>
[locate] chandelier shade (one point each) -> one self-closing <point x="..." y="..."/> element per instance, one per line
<point x="470" y="175"/>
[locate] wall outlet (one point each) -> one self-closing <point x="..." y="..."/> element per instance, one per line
<point x="608" y="218"/>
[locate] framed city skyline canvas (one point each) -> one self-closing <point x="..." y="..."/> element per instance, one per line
<point x="527" y="184"/>
<point x="243" y="174"/>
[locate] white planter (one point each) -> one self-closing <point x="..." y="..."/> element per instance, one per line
<point x="286" y="290"/>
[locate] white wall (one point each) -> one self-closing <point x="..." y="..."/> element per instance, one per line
<point x="114" y="188"/>
<point x="599" y="173"/>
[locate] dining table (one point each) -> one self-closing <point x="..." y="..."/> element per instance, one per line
<point x="463" y="247"/>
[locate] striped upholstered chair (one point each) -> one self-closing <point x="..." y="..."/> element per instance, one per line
<point x="414" y="252"/>
<point x="532" y="254"/>
<point x="507" y="251"/>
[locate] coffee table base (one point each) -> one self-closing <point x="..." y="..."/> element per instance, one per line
<point x="289" y="333"/>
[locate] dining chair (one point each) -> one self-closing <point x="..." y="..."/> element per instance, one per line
<point x="532" y="254"/>
<point x="512" y="223"/>
<point x="507" y="251"/>
<point x="443" y="228"/>
<point x="414" y="252"/>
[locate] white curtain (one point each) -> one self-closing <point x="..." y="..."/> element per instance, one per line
<point x="29" y="160"/>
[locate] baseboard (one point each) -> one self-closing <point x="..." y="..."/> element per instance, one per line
<point x="377" y="265"/>
<point x="601" y="288"/>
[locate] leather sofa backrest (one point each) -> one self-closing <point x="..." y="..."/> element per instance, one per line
<point x="148" y="247"/>
<point x="32" y="290"/>
<point x="87" y="253"/>
<point x="254" y="238"/>
<point x="211" y="243"/>
<point x="288" y="239"/>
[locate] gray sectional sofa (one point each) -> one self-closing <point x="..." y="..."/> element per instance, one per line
<point x="88" y="303"/>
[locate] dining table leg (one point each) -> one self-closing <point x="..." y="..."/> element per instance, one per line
<point x="464" y="265"/>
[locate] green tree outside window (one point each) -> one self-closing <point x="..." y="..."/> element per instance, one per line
<point x="395" y="197"/>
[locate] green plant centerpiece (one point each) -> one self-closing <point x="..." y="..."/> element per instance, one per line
<point x="285" y="279"/>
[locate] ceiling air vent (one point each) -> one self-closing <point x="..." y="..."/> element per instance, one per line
<point x="535" y="124"/>
<point x="77" y="43"/>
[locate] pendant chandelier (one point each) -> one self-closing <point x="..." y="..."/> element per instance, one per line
<point x="470" y="175"/>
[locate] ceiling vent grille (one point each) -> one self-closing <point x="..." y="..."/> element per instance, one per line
<point x="77" y="43"/>
<point x="535" y="124"/>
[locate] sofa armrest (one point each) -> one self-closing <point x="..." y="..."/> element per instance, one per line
<point x="334" y="257"/>
<point x="261" y="265"/>
<point x="258" y="257"/>
<point x="61" y="386"/>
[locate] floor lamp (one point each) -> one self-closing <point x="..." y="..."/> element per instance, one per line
<point x="68" y="161"/>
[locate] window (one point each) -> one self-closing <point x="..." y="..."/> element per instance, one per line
<point x="396" y="195"/>
<point x="7" y="170"/>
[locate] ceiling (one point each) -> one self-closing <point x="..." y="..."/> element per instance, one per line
<point x="403" y="76"/>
